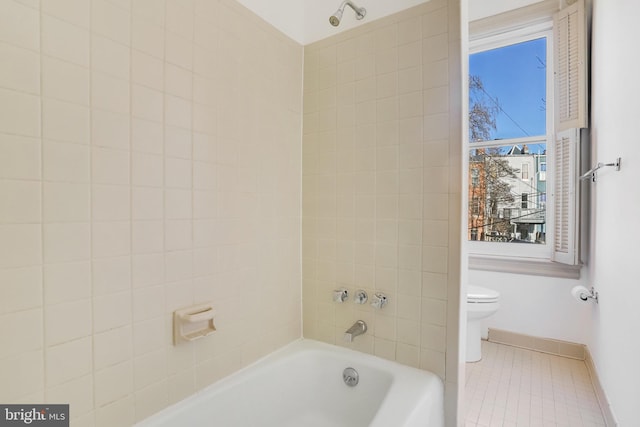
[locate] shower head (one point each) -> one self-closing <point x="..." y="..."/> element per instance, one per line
<point x="337" y="16"/>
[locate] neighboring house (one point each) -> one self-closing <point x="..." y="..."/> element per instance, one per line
<point x="477" y="196"/>
<point x="507" y="195"/>
<point x="527" y="212"/>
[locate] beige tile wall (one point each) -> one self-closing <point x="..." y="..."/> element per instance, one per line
<point x="381" y="149"/>
<point x="149" y="159"/>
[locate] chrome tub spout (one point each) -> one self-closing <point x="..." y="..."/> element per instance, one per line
<point x="358" y="328"/>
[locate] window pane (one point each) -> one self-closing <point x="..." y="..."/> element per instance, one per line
<point x="505" y="207"/>
<point x="507" y="91"/>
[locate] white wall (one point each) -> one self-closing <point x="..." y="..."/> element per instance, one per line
<point x="616" y="203"/>
<point x="536" y="305"/>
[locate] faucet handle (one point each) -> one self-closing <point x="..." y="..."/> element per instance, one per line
<point x="360" y="297"/>
<point x="379" y="300"/>
<point x="340" y="295"/>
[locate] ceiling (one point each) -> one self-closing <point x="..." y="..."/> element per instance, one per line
<point x="307" y="21"/>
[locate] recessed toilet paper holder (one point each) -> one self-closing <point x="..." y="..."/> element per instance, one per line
<point x="593" y="294"/>
<point x="192" y="323"/>
<point x="583" y="294"/>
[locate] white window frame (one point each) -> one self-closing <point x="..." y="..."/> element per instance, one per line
<point x="511" y="251"/>
<point x="501" y="30"/>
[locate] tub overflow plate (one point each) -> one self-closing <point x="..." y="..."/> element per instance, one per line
<point x="350" y="377"/>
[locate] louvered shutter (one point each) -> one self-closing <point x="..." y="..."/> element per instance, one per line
<point x="566" y="197"/>
<point x="570" y="63"/>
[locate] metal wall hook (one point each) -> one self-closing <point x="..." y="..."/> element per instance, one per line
<point x="591" y="173"/>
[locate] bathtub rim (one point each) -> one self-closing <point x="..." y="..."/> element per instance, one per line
<point x="405" y="379"/>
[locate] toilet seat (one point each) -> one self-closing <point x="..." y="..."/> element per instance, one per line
<point x="480" y="295"/>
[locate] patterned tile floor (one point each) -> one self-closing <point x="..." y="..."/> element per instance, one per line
<point x="512" y="386"/>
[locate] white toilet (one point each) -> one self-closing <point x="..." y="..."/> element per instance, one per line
<point x="481" y="303"/>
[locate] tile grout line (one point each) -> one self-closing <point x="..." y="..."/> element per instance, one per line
<point x="92" y="36"/>
<point x="167" y="333"/>
<point x="42" y="212"/>
<point x="91" y="152"/>
<point x="131" y="224"/>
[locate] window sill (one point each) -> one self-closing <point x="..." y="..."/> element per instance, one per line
<point x="529" y="266"/>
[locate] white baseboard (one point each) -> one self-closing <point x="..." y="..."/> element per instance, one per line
<point x="609" y="419"/>
<point x="543" y="345"/>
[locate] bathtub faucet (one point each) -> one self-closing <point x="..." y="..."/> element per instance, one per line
<point x="358" y="328"/>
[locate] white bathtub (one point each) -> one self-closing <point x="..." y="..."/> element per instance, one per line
<point x="301" y="385"/>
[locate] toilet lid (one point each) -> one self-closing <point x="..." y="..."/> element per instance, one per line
<point x="480" y="294"/>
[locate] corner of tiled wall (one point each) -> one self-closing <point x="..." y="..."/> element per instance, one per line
<point x="149" y="159"/>
<point x="378" y="177"/>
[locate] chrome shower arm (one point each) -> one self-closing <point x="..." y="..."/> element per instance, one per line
<point x="360" y="11"/>
<point x="337" y="16"/>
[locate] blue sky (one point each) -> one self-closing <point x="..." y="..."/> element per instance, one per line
<point x="515" y="76"/>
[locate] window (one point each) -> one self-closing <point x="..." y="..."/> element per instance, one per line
<point x="542" y="172"/>
<point x="527" y="82"/>
<point x="475" y="206"/>
<point x="508" y="127"/>
<point x="475" y="177"/>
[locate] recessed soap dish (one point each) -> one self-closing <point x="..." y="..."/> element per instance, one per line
<point x="192" y="323"/>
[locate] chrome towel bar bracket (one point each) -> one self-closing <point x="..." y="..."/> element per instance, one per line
<point x="591" y="173"/>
